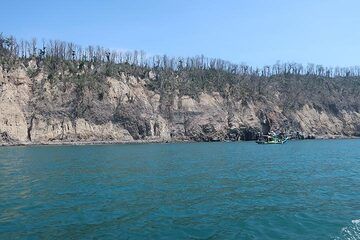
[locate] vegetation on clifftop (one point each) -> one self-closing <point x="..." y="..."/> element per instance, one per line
<point x="89" y="67"/>
<point x="289" y="86"/>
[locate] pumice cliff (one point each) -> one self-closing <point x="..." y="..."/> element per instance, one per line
<point x="64" y="98"/>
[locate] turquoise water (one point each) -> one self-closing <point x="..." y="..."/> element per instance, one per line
<point x="299" y="190"/>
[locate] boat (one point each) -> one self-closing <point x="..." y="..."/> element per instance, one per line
<point x="272" y="139"/>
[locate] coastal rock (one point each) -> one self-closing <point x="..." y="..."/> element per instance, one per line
<point x="39" y="108"/>
<point x="47" y="130"/>
<point x="14" y="98"/>
<point x="12" y="122"/>
<point x="91" y="132"/>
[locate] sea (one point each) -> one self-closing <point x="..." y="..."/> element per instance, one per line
<point x="306" y="189"/>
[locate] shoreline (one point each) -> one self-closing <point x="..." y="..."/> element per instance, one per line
<point x="82" y="143"/>
<point x="85" y="143"/>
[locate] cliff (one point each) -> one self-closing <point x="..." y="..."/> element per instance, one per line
<point x="40" y="105"/>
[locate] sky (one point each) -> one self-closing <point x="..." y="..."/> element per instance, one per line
<point x="256" y="32"/>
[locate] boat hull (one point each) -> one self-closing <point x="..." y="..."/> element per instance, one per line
<point x="272" y="142"/>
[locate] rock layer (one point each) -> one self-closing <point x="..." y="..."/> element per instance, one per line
<point x="33" y="109"/>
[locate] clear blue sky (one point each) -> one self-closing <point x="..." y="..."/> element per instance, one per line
<point x="257" y="32"/>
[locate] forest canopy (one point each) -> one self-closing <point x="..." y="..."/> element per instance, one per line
<point x="56" y="50"/>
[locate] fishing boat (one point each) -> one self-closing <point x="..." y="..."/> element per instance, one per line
<point x="272" y="139"/>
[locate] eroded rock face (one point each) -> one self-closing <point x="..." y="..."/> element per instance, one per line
<point x="12" y="122"/>
<point x="14" y="97"/>
<point x="37" y="110"/>
<point x="43" y="130"/>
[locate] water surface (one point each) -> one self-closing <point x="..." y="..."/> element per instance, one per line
<point x="299" y="190"/>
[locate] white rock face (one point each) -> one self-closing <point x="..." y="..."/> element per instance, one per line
<point x="44" y="130"/>
<point x="14" y="97"/>
<point x="36" y="110"/>
<point x="88" y="131"/>
<point x="12" y="122"/>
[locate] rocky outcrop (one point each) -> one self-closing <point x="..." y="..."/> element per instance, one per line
<point x="35" y="109"/>
<point x="14" y="97"/>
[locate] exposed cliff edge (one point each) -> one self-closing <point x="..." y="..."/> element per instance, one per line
<point x="36" y="107"/>
<point x="63" y="93"/>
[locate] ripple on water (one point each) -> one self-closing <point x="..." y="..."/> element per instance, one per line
<point x="351" y="232"/>
<point x="300" y="190"/>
